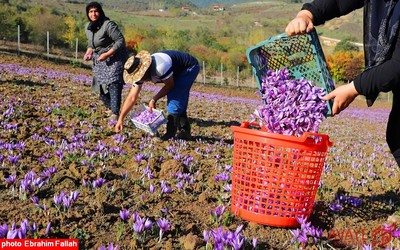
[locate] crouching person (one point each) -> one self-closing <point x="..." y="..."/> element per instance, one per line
<point x="177" y="70"/>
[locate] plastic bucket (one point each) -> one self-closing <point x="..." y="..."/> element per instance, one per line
<point x="275" y="177"/>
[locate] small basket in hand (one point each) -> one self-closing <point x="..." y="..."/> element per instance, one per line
<point x="148" y="121"/>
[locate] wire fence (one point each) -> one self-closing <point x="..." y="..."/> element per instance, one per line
<point x="75" y="56"/>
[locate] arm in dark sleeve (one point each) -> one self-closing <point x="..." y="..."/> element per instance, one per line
<point x="116" y="35"/>
<point x="382" y="78"/>
<point x="325" y="10"/>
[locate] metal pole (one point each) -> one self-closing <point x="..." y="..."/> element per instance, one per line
<point x="48" y="46"/>
<point x="76" y="50"/>
<point x="221" y="73"/>
<point x="19" y="40"/>
<point x="237" y="77"/>
<point x="204" y="73"/>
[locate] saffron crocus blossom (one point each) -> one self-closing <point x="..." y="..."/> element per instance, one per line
<point x="13" y="159"/>
<point x="98" y="183"/>
<point x="336" y="207"/>
<point x="165" y="188"/>
<point x="74" y="195"/>
<point x="221" y="177"/>
<point x="148" y="224"/>
<point x="152" y="188"/>
<point x="110" y="247"/>
<point x="3" y="230"/>
<point x="124" y="214"/>
<point x="164" y="226"/>
<point x="48" y="228"/>
<point x="396" y="233"/>
<point x="254" y="242"/>
<point x="11" y="179"/>
<point x="291" y="107"/>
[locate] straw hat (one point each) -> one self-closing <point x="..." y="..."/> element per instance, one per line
<point x="136" y="66"/>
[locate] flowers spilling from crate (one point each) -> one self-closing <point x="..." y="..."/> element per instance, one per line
<point x="291" y="106"/>
<point x="147" y="120"/>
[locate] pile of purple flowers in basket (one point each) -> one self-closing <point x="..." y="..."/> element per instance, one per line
<point x="291" y="106"/>
<point x="145" y="117"/>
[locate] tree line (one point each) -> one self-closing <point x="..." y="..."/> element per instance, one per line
<point x="226" y="46"/>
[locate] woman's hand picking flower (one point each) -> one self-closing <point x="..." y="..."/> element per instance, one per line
<point x="344" y="95"/>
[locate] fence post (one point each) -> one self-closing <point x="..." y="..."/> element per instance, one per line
<point x="204" y="73"/>
<point x="19" y="40"/>
<point x="221" y="74"/>
<point x="76" y="50"/>
<point x="237" y="77"/>
<point x="48" y="46"/>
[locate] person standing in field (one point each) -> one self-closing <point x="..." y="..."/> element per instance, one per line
<point x="177" y="70"/>
<point x="107" y="50"/>
<point x="382" y="55"/>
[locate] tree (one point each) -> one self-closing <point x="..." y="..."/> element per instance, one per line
<point x="345" y="65"/>
<point x="355" y="67"/>
<point x="347" y="44"/>
<point x="71" y="31"/>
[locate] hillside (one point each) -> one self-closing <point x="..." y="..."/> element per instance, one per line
<point x="208" y="3"/>
<point x="127" y="5"/>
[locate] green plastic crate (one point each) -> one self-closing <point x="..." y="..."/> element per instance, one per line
<point x="302" y="55"/>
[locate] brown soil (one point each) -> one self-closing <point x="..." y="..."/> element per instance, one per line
<point x="94" y="218"/>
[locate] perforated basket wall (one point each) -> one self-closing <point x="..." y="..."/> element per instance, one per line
<point x="302" y="55"/>
<point x="151" y="127"/>
<point x="275" y="177"/>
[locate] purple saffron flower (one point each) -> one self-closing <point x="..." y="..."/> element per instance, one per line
<point x="74" y="195"/>
<point x="219" y="211"/>
<point x="165" y="188"/>
<point x="148" y="224"/>
<point x="35" y="200"/>
<point x="48" y="228"/>
<point x="138" y="226"/>
<point x="98" y="183"/>
<point x="12" y="234"/>
<point x="164" y="226"/>
<point x="67" y="201"/>
<point x="254" y="242"/>
<point x="13" y="159"/>
<point x="124" y="214"/>
<point x="336" y="207"/>
<point x="206" y="236"/>
<point x="3" y="230"/>
<point x="152" y="188"/>
<point x="11" y="179"/>
<point x="33" y="229"/>
<point x="395" y="234"/>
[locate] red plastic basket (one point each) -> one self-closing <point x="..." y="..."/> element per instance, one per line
<point x="275" y="177"/>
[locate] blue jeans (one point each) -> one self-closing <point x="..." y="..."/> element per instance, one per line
<point x="178" y="98"/>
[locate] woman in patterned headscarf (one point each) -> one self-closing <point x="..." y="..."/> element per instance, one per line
<point x="382" y="54"/>
<point x="107" y="50"/>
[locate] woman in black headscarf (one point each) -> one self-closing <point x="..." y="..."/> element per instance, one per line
<point x="107" y="50"/>
<point x="382" y="54"/>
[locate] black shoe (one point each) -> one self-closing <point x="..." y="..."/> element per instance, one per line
<point x="173" y="120"/>
<point x="184" y="128"/>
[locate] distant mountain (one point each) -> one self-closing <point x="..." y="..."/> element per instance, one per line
<point x="136" y="4"/>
